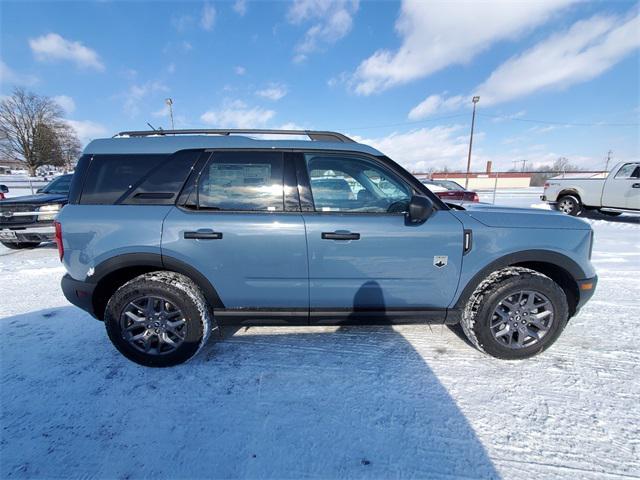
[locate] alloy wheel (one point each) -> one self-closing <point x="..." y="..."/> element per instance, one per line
<point x="153" y="325"/>
<point x="522" y="319"/>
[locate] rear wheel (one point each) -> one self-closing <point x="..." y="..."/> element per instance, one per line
<point x="569" y="205"/>
<point x="158" y="319"/>
<point x="515" y="313"/>
<point x="20" y="245"/>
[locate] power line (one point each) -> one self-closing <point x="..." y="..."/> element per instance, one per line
<point x="568" y="124"/>
<point x="404" y="124"/>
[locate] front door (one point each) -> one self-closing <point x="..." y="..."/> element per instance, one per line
<point x="234" y="229"/>
<point x="363" y="255"/>
<point x="623" y="191"/>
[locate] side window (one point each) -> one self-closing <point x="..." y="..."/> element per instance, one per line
<point x="627" y="171"/>
<point x="111" y="176"/>
<point x="242" y="181"/>
<point x="350" y="184"/>
<point x="162" y="184"/>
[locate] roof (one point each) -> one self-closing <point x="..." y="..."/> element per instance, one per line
<point x="171" y="144"/>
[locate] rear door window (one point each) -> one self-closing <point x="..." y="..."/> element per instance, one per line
<point x="242" y="181"/>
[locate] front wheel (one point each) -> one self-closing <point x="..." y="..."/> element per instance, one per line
<point x="159" y="319"/>
<point x="515" y="313"/>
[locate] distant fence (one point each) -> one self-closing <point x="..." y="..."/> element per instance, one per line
<point x="498" y="180"/>
<point x="488" y="183"/>
<point x="22" y="186"/>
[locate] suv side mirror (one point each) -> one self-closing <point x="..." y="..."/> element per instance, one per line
<point x="420" y="209"/>
<point x="4" y="189"/>
<point x="40" y="190"/>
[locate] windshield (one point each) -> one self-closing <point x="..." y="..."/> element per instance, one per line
<point x="58" y="185"/>
<point x="449" y="184"/>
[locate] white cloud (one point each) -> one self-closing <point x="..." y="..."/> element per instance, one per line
<point x="136" y="94"/>
<point x="208" y="17"/>
<point x="332" y="20"/>
<point x="66" y="103"/>
<point x="420" y="149"/>
<point x="171" y="68"/>
<point x="584" y="51"/>
<point x="182" y="22"/>
<point x="8" y="75"/>
<point x="239" y="70"/>
<point x="436" y="35"/>
<point x="240" y="7"/>
<point x="237" y="114"/>
<point x="87" y="130"/>
<point x="274" y="91"/>
<point x="436" y="103"/>
<point x="52" y="47"/>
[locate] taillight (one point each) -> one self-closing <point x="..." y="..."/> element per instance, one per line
<point x="58" y="239"/>
<point x="546" y="185"/>
<point x="476" y="198"/>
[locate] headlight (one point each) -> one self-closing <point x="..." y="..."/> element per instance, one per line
<point x="52" y="211"/>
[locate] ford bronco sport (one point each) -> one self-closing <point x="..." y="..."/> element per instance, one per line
<point x="169" y="235"/>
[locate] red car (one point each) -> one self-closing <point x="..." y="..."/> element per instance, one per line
<point x="448" y="190"/>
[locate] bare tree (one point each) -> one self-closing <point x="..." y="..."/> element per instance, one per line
<point x="70" y="146"/>
<point x="30" y="125"/>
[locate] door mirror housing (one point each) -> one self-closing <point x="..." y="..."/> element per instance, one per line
<point x="4" y="189"/>
<point x="420" y="209"/>
<point x="40" y="190"/>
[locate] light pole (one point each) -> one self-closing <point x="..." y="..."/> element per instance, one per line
<point x="169" y="103"/>
<point x="473" y="121"/>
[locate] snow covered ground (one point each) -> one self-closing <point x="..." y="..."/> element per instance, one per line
<point x="358" y="402"/>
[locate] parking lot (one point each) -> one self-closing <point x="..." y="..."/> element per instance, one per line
<point x="375" y="402"/>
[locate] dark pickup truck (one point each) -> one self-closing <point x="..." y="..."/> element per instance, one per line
<point x="27" y="221"/>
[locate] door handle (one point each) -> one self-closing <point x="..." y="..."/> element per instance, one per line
<point x="203" y="235"/>
<point x="340" y="236"/>
<point x="635" y="185"/>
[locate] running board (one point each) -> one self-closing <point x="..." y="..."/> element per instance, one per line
<point x="619" y="210"/>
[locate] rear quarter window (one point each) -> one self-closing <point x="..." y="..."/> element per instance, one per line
<point x="136" y="179"/>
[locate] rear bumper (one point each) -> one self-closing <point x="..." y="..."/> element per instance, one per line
<point x="28" y="234"/>
<point x="545" y="199"/>
<point x="586" y="289"/>
<point x="78" y="293"/>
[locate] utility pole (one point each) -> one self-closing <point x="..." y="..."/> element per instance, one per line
<point x="606" y="168"/>
<point x="169" y="103"/>
<point x="524" y="163"/>
<point x="473" y="121"/>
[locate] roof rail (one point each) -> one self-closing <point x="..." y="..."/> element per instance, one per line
<point x="319" y="136"/>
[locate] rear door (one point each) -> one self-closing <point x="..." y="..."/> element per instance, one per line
<point x="364" y="258"/>
<point x="241" y="231"/>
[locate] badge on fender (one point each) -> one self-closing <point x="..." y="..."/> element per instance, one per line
<point x="440" y="261"/>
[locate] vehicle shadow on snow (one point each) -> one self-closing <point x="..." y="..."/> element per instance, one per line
<point x="624" y="218"/>
<point x="353" y="401"/>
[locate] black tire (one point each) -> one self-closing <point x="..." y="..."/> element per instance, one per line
<point x="175" y="289"/>
<point x="610" y="214"/>
<point x="20" y="245"/>
<point x="479" y="311"/>
<point x="569" y="205"/>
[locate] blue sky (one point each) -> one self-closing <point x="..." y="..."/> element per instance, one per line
<point x="556" y="78"/>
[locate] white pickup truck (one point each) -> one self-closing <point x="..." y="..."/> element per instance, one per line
<point x="613" y="194"/>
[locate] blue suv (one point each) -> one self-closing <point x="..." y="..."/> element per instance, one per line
<point x="169" y="235"/>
